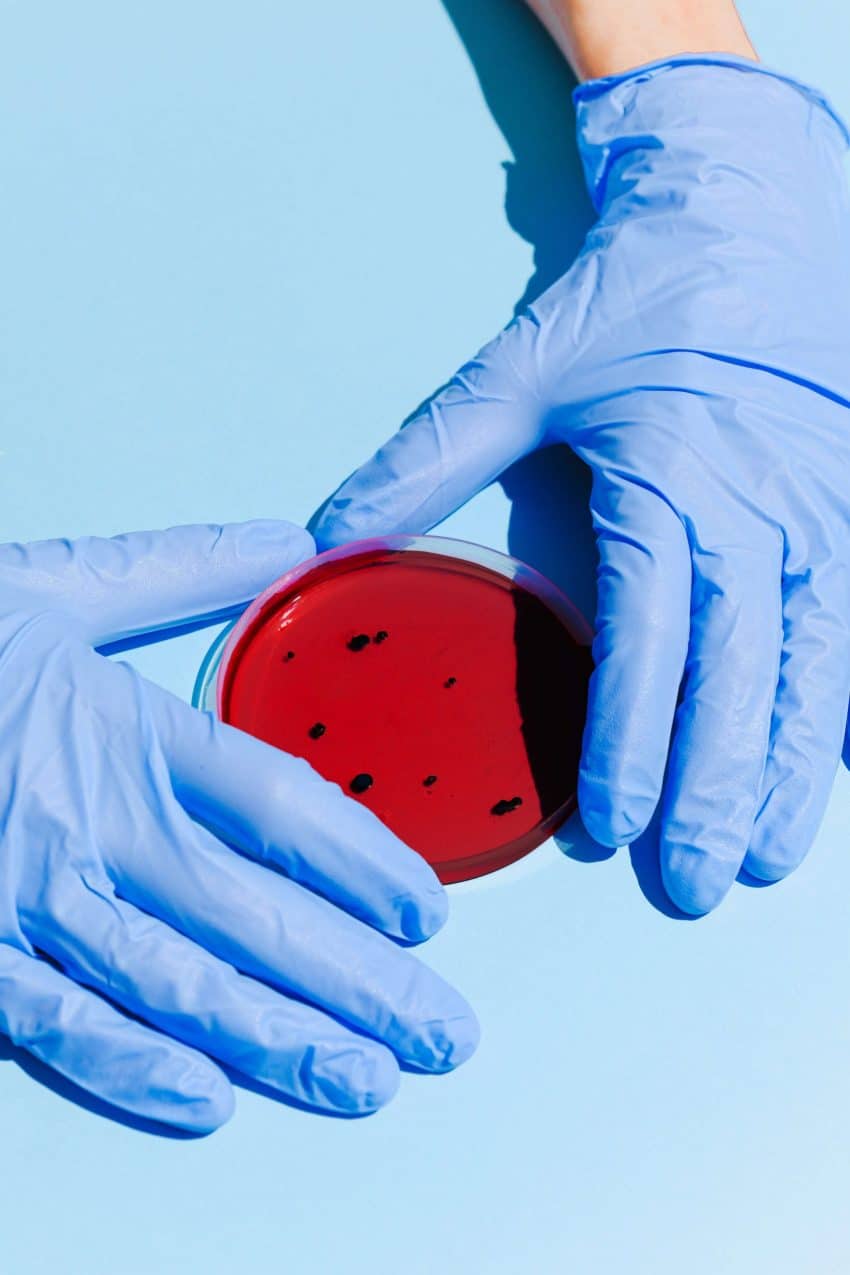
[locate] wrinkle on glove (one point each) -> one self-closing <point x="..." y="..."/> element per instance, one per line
<point x="697" y="357"/>
<point x="175" y="894"/>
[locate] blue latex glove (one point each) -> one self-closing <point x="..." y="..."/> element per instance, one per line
<point x="697" y="357"/>
<point x="119" y="806"/>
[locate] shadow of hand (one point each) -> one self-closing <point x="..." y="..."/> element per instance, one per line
<point x="575" y="842"/>
<point x="527" y="86"/>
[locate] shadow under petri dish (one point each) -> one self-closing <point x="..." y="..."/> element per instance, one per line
<point x="442" y="685"/>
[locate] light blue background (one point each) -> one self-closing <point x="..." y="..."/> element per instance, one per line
<point x="240" y="243"/>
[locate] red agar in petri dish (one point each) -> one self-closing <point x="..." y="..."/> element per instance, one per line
<point x="442" y="685"/>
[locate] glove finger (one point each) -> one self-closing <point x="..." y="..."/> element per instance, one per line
<point x="148" y="580"/>
<point x="113" y="1057"/>
<point x="175" y="985"/>
<point x="279" y="810"/>
<point x="486" y="417"/>
<point x="722" y="725"/>
<point x="809" y="716"/>
<point x="275" y="930"/>
<point x="642" y="619"/>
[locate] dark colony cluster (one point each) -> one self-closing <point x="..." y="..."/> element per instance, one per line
<point x="505" y="807"/>
<point x="360" y="640"/>
<point x="363" y="782"/>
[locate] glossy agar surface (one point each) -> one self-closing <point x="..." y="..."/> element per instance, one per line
<point x="443" y="694"/>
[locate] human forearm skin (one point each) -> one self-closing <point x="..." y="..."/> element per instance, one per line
<point x="606" y="37"/>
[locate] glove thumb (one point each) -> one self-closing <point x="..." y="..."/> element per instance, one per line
<point x="486" y="417"/>
<point x="146" y="581"/>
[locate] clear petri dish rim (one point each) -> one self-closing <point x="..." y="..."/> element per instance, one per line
<point x="211" y="675"/>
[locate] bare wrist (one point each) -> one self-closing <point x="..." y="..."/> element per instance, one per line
<point x="606" y="37"/>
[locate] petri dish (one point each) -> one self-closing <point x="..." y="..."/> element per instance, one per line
<point x="440" y="683"/>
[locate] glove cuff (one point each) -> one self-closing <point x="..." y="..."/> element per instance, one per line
<point x="715" y="105"/>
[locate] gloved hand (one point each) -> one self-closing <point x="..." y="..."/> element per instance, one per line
<point x="697" y="357"/>
<point x="119" y="889"/>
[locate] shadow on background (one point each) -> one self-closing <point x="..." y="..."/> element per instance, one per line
<point x="576" y="843"/>
<point x="527" y="86"/>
